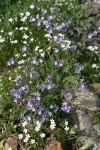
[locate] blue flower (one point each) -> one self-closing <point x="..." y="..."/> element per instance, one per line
<point x="24" y="48"/>
<point x="65" y="107"/>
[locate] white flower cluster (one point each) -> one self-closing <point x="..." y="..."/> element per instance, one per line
<point x="25" y="136"/>
<point x="66" y="126"/>
<point x="65" y="44"/>
<point x="95" y="66"/>
<point x="2" y="39"/>
<point x="53" y="124"/>
<point x="93" y="48"/>
<point x="37" y="128"/>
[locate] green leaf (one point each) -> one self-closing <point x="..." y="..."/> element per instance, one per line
<point x="1" y="143"/>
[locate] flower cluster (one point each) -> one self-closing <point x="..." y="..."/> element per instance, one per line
<point x="43" y="67"/>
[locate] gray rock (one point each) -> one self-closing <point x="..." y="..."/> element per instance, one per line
<point x="86" y="143"/>
<point x="97" y="129"/>
<point x="86" y="100"/>
<point x="91" y="7"/>
<point x="85" y="124"/>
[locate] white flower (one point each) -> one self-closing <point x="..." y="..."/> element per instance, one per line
<point x="37" y="128"/>
<point x="31" y="40"/>
<point x="21" y="62"/>
<point x="32" y="6"/>
<point x="32" y="141"/>
<point x="21" y="28"/>
<point x="9" y="33"/>
<point x="25" y="140"/>
<point x="40" y="50"/>
<point x="25" y="36"/>
<point x="17" y="55"/>
<point x="2" y="31"/>
<point x="94" y="65"/>
<point x="40" y="60"/>
<point x="25" y="28"/>
<point x="2" y="40"/>
<point x="28" y="136"/>
<point x="42" y="54"/>
<point x="24" y="19"/>
<point x="10" y="20"/>
<point x="20" y="136"/>
<point x="36" y="48"/>
<point x="53" y="124"/>
<point x="21" y="14"/>
<point x="24" y="123"/>
<point x="67" y="128"/>
<point x="25" y="130"/>
<point x="27" y="13"/>
<point x="24" y="55"/>
<point x="90" y="48"/>
<point x="66" y="123"/>
<point x="14" y="42"/>
<point x="25" y="42"/>
<point x="42" y="135"/>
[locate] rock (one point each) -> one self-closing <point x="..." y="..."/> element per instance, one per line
<point x="86" y="143"/>
<point x="86" y="100"/>
<point x="91" y="8"/>
<point x="85" y="124"/>
<point x="10" y="143"/>
<point x="53" y="144"/>
<point x="97" y="129"/>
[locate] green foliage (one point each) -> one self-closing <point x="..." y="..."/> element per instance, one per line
<point x="40" y="70"/>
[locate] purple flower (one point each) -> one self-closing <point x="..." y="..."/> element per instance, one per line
<point x="43" y="86"/>
<point x="67" y="95"/>
<point x="59" y="28"/>
<point x="18" y="78"/>
<point x="32" y="19"/>
<point x="11" y="62"/>
<point x="50" y="30"/>
<point x="37" y="96"/>
<point x="65" y="107"/>
<point x="94" y="33"/>
<point x="44" y="11"/>
<point x="51" y="106"/>
<point x="73" y="47"/>
<point x="14" y="93"/>
<point x="50" y="85"/>
<point x="56" y="50"/>
<point x="24" y="118"/>
<point x="83" y="84"/>
<point x="37" y="16"/>
<point x="24" y="48"/>
<point x="90" y="35"/>
<point x="29" y="104"/>
<point x="58" y="63"/>
<point x="63" y="24"/>
<point x="56" y="38"/>
<point x="40" y="111"/>
<point x="34" y="61"/>
<point x="34" y="74"/>
<point x="16" y="100"/>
